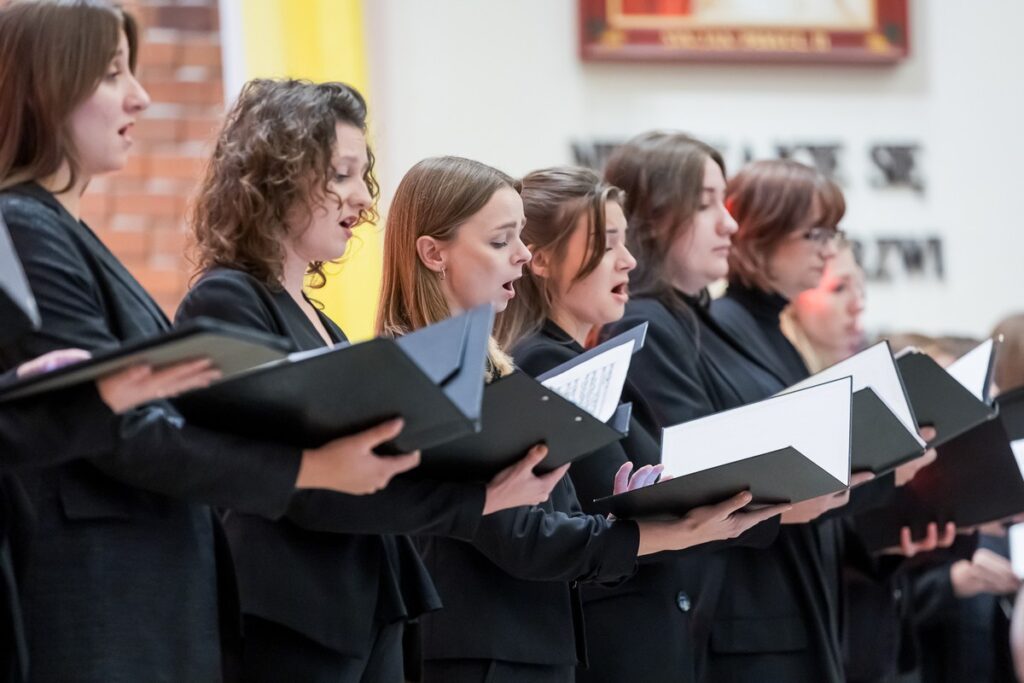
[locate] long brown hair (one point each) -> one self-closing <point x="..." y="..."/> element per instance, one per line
<point x="554" y="199"/>
<point x="273" y="156"/>
<point x="769" y="200"/>
<point x="662" y="174"/>
<point x="53" y="55"/>
<point x="433" y="199"/>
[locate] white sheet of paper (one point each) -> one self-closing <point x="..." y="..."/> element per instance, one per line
<point x="815" y="421"/>
<point x="595" y="385"/>
<point x="1016" y="538"/>
<point x="971" y="369"/>
<point x="872" y="368"/>
<point x="1018" y="453"/>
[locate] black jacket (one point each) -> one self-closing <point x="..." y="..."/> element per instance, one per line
<point x="327" y="569"/>
<point x="119" y="572"/>
<point x="511" y="594"/>
<point x="760" y="614"/>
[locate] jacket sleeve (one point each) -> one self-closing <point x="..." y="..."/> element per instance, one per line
<point x="539" y="544"/>
<point x="155" y="450"/>
<point x="408" y="505"/>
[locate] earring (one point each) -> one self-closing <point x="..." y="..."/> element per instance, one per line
<point x="442" y="272"/>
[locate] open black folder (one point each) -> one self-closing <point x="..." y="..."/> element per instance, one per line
<point x="566" y="408"/>
<point x="786" y="448"/>
<point x="18" y="311"/>
<point x="975" y="479"/>
<point x="232" y="349"/>
<point x="941" y="400"/>
<point x="432" y="378"/>
<point x="884" y="429"/>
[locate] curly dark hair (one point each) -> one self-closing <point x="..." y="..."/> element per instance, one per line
<point x="272" y="156"/>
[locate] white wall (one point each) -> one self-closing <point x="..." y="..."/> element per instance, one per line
<point x="501" y="82"/>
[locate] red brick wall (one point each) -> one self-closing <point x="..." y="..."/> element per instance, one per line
<point x="140" y="212"/>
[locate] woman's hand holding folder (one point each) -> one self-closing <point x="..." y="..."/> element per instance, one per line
<point x="131" y="387"/>
<point x="704" y="524"/>
<point x="517" y="485"/>
<point x="349" y="464"/>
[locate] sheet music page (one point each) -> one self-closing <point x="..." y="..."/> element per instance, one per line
<point x="815" y="421"/>
<point x="1016" y="538"/>
<point x="971" y="369"/>
<point x="595" y="385"/>
<point x="872" y="368"/>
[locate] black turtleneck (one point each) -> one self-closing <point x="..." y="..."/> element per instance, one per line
<point x="751" y="316"/>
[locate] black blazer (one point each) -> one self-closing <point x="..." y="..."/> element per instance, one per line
<point x="660" y="600"/>
<point x="760" y="614"/>
<point x="326" y="570"/>
<point x="119" y="575"/>
<point x="511" y="594"/>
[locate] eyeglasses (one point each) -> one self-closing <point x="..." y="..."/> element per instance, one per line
<point x="823" y="237"/>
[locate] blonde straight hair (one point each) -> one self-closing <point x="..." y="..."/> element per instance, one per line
<point x="434" y="199"/>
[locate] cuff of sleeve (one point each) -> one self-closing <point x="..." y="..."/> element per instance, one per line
<point x="623" y="544"/>
<point x="467" y="520"/>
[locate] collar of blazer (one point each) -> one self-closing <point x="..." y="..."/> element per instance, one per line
<point x="83" y="234"/>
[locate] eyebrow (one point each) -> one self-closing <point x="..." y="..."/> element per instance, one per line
<point x="506" y="226"/>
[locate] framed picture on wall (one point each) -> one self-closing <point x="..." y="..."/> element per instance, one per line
<point x="818" y="31"/>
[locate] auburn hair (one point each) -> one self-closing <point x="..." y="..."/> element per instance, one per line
<point x="53" y="55"/>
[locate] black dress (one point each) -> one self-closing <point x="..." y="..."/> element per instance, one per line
<point x="759" y="614"/>
<point x="118" y="563"/>
<point x="511" y="596"/>
<point x="325" y="590"/>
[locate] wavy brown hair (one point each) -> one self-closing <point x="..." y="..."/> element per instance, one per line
<point x="662" y="174"/>
<point x="434" y="198"/>
<point x="52" y="57"/>
<point x="273" y="156"/>
<point x="769" y="200"/>
<point x="554" y="199"/>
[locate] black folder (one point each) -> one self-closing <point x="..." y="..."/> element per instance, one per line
<point x="779" y="475"/>
<point x="939" y="400"/>
<point x="881" y="441"/>
<point x="232" y="349"/>
<point x="519" y="412"/>
<point x="432" y="378"/>
<point x="18" y="311"/>
<point x="975" y="479"/>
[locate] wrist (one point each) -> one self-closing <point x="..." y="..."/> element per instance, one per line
<point x="309" y="466"/>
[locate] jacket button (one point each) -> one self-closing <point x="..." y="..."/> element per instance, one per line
<point x="683" y="601"/>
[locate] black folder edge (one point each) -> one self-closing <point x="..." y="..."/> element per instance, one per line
<point x="880" y="528"/>
<point x="902" y="456"/>
<point x="611" y="431"/>
<point x="461" y="380"/>
<point x="104" y="362"/>
<point x="625" y="500"/>
<point x="469" y="375"/>
<point x="991" y="411"/>
<point x="20" y="312"/>
<point x="637" y="335"/>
